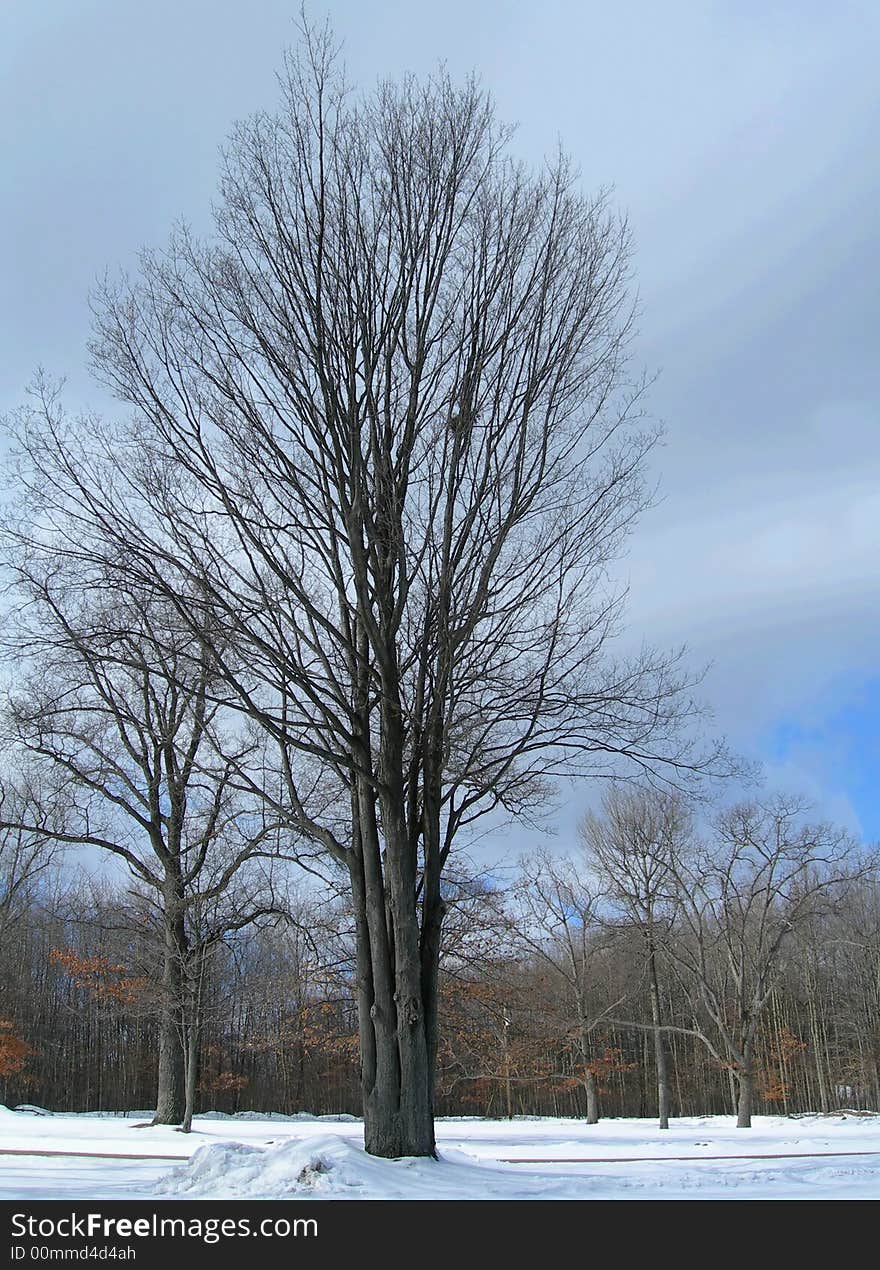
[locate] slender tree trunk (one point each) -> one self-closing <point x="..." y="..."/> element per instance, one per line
<point x="193" y="1034"/>
<point x="590" y="1087"/>
<point x="592" y="1097"/>
<point x="824" y="1101"/>
<point x="192" y="1074"/>
<point x="659" y="1047"/>
<point x="508" y="1092"/>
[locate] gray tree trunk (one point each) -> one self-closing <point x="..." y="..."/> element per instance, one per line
<point x="171" y="1090"/>
<point x="192" y="1074"/>
<point x="824" y="1100"/>
<point x="659" y="1047"/>
<point x="170" y="1093"/>
<point x="746" y="1081"/>
<point x="592" y="1098"/>
<point x="397" y="1078"/>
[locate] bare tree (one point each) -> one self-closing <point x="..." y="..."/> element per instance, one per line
<point x="631" y="846"/>
<point x="742" y="896"/>
<point x="246" y="899"/>
<point x="555" y="917"/>
<point x="113" y="702"/>
<point x="32" y="811"/>
<point x="853" y="943"/>
<point x="385" y="443"/>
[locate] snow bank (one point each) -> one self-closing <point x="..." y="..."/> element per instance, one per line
<point x="317" y="1167"/>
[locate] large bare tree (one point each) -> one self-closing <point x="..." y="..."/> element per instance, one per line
<point x="383" y="439"/>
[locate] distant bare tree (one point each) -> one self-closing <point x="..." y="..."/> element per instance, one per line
<point x="385" y="443"/>
<point x="555" y="918"/>
<point x="246" y="899"/>
<point x="32" y="812"/>
<point x="631" y="847"/>
<point x="742" y="896"/>
<point x="113" y="702"/>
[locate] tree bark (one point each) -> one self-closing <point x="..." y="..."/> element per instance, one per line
<point x="746" y="1083"/>
<point x="170" y="1093"/>
<point x="592" y="1098"/>
<point x="171" y="1079"/>
<point x="192" y="1073"/>
<point x="397" y="1079"/>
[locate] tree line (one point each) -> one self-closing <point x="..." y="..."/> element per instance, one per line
<point x="563" y="990"/>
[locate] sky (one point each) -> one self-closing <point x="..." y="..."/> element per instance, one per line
<point x="742" y="139"/>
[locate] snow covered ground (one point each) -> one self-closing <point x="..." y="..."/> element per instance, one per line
<point x="253" y="1157"/>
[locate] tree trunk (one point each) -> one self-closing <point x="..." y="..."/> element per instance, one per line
<point x="192" y="1073"/>
<point x="398" y="1116"/>
<point x="745" y="1078"/>
<point x="592" y="1098"/>
<point x="824" y="1101"/>
<point x="508" y="1093"/>
<point x="659" y="1047"/>
<point x="171" y="1091"/>
<point x="590" y="1087"/>
<point x="397" y="1080"/>
<point x="171" y="1094"/>
<point x="193" y="1032"/>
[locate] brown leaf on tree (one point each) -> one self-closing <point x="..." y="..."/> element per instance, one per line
<point x="14" y="1051"/>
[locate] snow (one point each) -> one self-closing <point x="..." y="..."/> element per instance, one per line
<point x="273" y="1156"/>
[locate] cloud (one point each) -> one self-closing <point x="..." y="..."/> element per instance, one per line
<point x="741" y="140"/>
